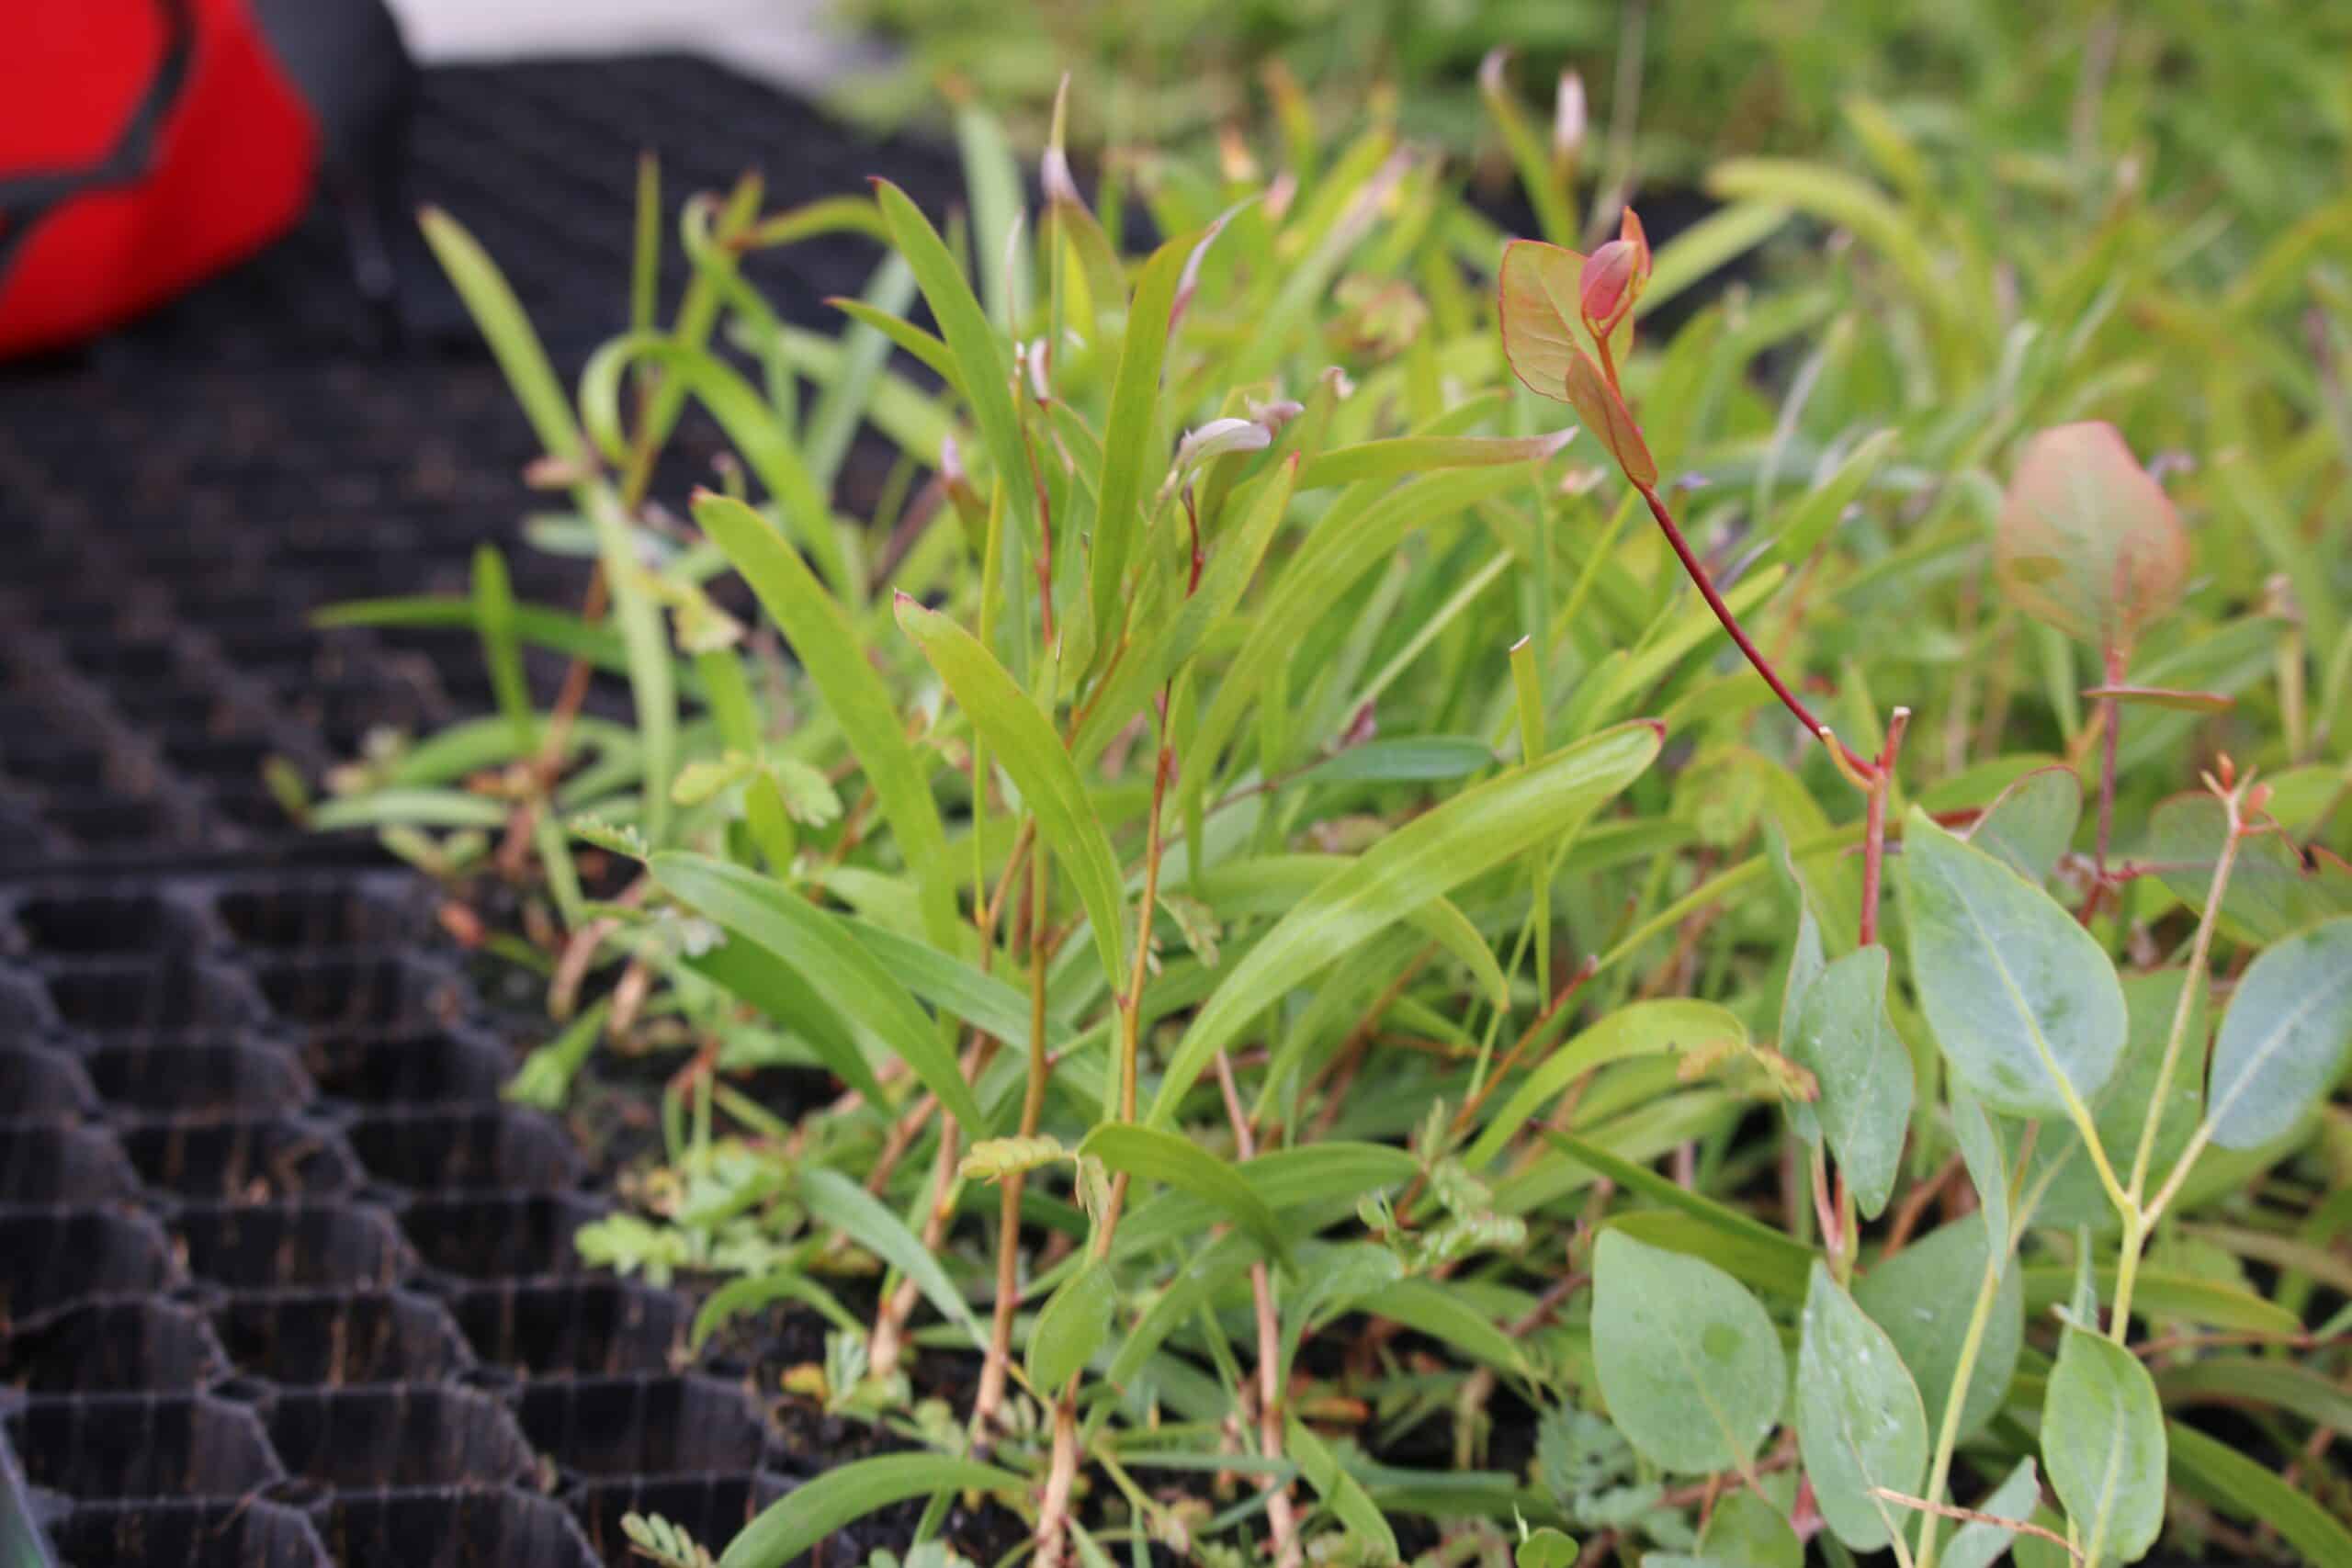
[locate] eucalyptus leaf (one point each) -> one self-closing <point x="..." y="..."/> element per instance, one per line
<point x="1923" y="1295"/>
<point x="1690" y="1365"/>
<point x="1847" y="1040"/>
<point x="2103" y="1441"/>
<point x="2287" y="1038"/>
<point x="2022" y="1000"/>
<point x="1861" y="1425"/>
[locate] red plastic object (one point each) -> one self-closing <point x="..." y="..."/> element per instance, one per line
<point x="92" y="231"/>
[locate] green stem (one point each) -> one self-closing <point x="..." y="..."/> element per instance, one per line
<point x="2139" y="1219"/>
<point x="1948" y="1437"/>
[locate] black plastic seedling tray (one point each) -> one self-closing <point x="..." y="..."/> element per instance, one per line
<point x="283" y="1282"/>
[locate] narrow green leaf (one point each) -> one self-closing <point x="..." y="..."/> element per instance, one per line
<point x="919" y="345"/>
<point x="1343" y="1492"/>
<point x="824" y="952"/>
<point x="1414" y="760"/>
<point x="1127" y="444"/>
<point x="750" y="1292"/>
<point x="1156" y="1156"/>
<point x="1071" y="1327"/>
<point x="831" y="651"/>
<point x="502" y="652"/>
<point x="2169" y="1295"/>
<point x="2022" y="999"/>
<point x="499" y="317"/>
<point x="787" y="1528"/>
<point x="1791" y="1259"/>
<point x="984" y="369"/>
<point x="766" y="446"/>
<point x="753" y="974"/>
<point x="1813" y="516"/>
<point x="2103" y="1439"/>
<point x="835" y="1200"/>
<point x="1480" y="829"/>
<point x="2287" y="1038"/>
<point x="2222" y="1476"/>
<point x="1859" y="1422"/>
<point x="1690" y="1365"/>
<point x="1640" y="1029"/>
<point x="1401" y="455"/>
<point x="947" y="982"/>
<point x="1021" y="739"/>
<point x="1845" y="1039"/>
<point x="1429" y="1308"/>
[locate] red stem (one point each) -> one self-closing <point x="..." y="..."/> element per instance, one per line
<point x="1731" y="626"/>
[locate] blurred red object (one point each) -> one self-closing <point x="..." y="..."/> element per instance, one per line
<point x="144" y="146"/>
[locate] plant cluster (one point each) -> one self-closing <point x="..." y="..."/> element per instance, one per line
<point x="1403" y="981"/>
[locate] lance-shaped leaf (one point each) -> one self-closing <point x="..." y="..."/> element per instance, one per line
<point x="822" y="952"/>
<point x="1477" y="830"/>
<point x="1071" y="1327"/>
<point x="2088" y="541"/>
<point x="1155" y="1156"/>
<point x="787" y="1528"/>
<point x="827" y="644"/>
<point x="1860" y="1422"/>
<point x="1846" y="1040"/>
<point x="1690" y="1365"/>
<point x="1021" y="740"/>
<point x="1127" y="440"/>
<point x="2287" y="1038"/>
<point x="2022" y="999"/>
<point x="2103" y="1442"/>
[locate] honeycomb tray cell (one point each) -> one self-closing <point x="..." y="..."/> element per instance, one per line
<point x="270" y="1237"/>
<point x="282" y="1278"/>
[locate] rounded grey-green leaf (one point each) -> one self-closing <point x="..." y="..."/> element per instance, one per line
<point x="2023" y="1001"/>
<point x="1846" y="1040"/>
<point x="1860" y="1421"/>
<point x="1922" y="1297"/>
<point x="1690" y="1363"/>
<point x="2103" y="1443"/>
<point x="2286" y="1037"/>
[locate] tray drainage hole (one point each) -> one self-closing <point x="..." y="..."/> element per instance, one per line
<point x="60" y="1255"/>
<point x="292" y="920"/>
<point x="507" y="1527"/>
<point x="593" y="1327"/>
<point x="398" y="1437"/>
<point x="659" y="1426"/>
<point x="329" y="1340"/>
<point x="284" y="1245"/>
<point x="240" y="1162"/>
<point x="199" y="1079"/>
<point x="226" y="1533"/>
<point x="142" y="1445"/>
<point x="111" y="1346"/>
<point x="81" y="926"/>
